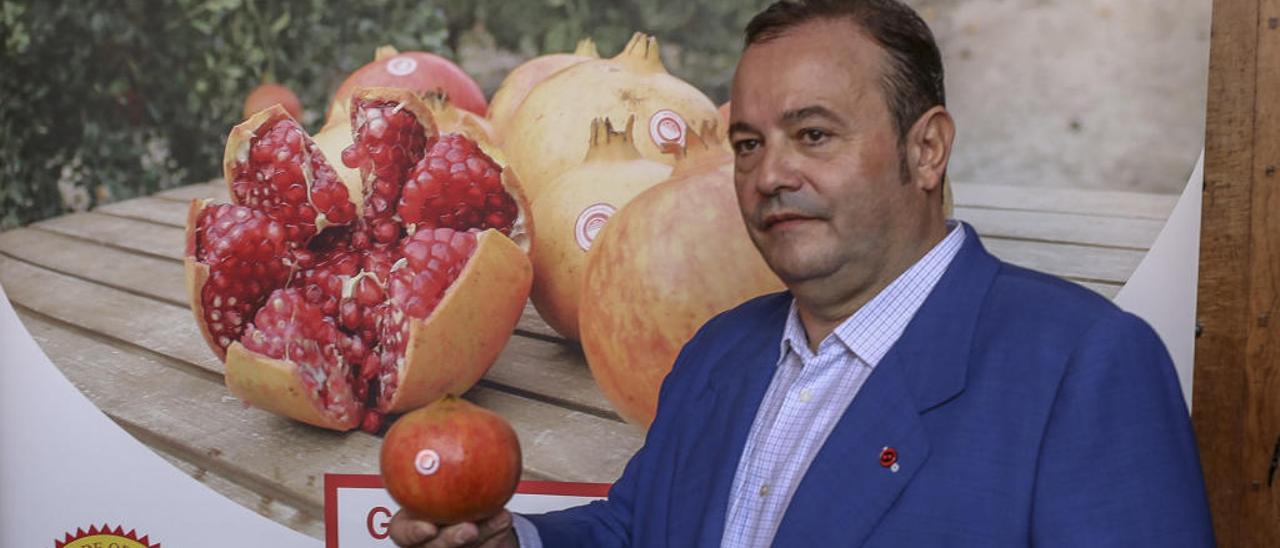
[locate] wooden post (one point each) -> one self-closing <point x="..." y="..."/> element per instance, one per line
<point x="1236" y="398"/>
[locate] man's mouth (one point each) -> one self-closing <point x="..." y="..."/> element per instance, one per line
<point x="775" y="219"/>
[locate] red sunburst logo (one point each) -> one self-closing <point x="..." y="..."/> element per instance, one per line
<point x="106" y="536"/>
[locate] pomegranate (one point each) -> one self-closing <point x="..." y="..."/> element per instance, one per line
<point x="413" y="70"/>
<point x="571" y="211"/>
<point x="633" y="83"/>
<point x="451" y="461"/>
<point x="675" y="256"/>
<point x="337" y="316"/>
<point x="269" y="94"/>
<point x="520" y="81"/>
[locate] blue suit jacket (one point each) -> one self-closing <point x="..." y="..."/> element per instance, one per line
<point x="1024" y="410"/>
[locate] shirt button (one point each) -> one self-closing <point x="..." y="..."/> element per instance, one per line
<point x="764" y="490"/>
<point x="805" y="394"/>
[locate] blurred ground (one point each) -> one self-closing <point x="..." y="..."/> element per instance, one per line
<point x="1103" y="94"/>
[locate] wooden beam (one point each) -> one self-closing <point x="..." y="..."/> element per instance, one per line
<point x="1237" y="378"/>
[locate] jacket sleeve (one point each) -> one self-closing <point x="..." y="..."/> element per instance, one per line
<point x="608" y="523"/>
<point x="1118" y="465"/>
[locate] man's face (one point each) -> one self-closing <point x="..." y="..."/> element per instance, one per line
<point x="817" y="163"/>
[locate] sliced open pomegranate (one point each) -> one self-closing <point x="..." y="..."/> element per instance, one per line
<point x="336" y="302"/>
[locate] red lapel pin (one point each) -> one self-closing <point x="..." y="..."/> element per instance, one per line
<point x="889" y="458"/>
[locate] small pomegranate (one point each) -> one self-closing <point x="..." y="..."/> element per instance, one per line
<point x="668" y="261"/>
<point x="451" y="461"/>
<point x="269" y="94"/>
<point x="417" y="71"/>
<point x="633" y="83"/>
<point x="520" y="81"/>
<point x="573" y="209"/>
<point x="337" y="316"/>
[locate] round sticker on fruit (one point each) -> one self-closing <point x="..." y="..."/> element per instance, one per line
<point x="401" y="65"/>
<point x="427" y="462"/>
<point x="589" y="223"/>
<point x="667" y="128"/>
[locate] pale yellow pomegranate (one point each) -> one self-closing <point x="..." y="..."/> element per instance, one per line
<point x="675" y="256"/>
<point x="572" y="209"/>
<point x="633" y="83"/>
<point x="520" y="81"/>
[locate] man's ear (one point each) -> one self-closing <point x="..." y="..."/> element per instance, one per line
<point x="929" y="147"/>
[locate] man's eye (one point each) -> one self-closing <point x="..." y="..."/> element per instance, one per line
<point x="811" y="136"/>
<point x="745" y="145"/>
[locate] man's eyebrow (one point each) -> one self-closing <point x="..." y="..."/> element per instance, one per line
<point x="812" y="111"/>
<point x="743" y="127"/>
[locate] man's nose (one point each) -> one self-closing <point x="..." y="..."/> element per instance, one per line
<point x="777" y="171"/>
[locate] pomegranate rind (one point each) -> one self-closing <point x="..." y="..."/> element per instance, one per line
<point x="332" y="140"/>
<point x="450" y="350"/>
<point x="478" y="467"/>
<point x="196" y="274"/>
<point x="277" y="386"/>
<point x="409" y="100"/>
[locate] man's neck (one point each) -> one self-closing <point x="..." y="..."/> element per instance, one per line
<point x="824" y="304"/>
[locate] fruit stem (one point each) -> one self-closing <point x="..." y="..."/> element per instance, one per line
<point x="610" y="145"/>
<point x="642" y="55"/>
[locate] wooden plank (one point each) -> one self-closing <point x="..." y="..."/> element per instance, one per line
<point x="1071" y="228"/>
<point x="1081" y="263"/>
<point x="1108" y="203"/>
<point x="215" y="189"/>
<point x="301" y="521"/>
<point x="161" y="279"/>
<point x="148" y="238"/>
<point x="1221" y="392"/>
<point x="150" y="208"/>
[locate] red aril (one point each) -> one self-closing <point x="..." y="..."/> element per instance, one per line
<point x="336" y="316"/>
<point x="451" y="462"/>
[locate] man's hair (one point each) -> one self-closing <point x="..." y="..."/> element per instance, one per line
<point x="912" y="83"/>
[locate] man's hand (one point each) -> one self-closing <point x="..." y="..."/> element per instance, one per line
<point x="495" y="532"/>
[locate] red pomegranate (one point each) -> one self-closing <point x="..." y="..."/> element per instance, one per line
<point x="521" y="80"/>
<point x="417" y="71"/>
<point x="451" y="461"/>
<point x="336" y="315"/>
<point x="668" y="261"/>
<point x="269" y="94"/>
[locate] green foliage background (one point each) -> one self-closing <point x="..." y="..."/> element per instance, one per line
<point x="106" y="100"/>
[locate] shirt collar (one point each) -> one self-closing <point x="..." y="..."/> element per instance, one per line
<point x="872" y="330"/>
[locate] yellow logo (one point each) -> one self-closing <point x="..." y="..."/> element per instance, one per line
<point x="104" y="537"/>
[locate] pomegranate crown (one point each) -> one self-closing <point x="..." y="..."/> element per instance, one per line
<point x="705" y="145"/>
<point x="587" y="48"/>
<point x="385" y="52"/>
<point x="641" y="54"/>
<point x="609" y="144"/>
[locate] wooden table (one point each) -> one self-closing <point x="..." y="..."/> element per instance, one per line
<point x="102" y="293"/>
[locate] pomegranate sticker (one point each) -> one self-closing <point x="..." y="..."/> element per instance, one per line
<point x="667" y="128"/>
<point x="427" y="462"/>
<point x="589" y="223"/>
<point x="401" y="65"/>
<point x="105" y="536"/>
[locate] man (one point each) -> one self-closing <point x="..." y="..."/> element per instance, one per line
<point x="909" y="389"/>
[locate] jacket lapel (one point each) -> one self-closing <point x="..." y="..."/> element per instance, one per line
<point x="705" y="472"/>
<point x="847" y="490"/>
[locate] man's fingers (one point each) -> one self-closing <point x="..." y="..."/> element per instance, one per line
<point x="407" y="530"/>
<point x="454" y="536"/>
<point x="494" y="525"/>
